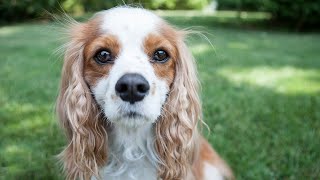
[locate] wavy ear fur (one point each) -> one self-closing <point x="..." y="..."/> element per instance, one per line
<point x="79" y="114"/>
<point x="176" y="131"/>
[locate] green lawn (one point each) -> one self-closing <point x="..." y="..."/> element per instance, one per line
<point x="260" y="92"/>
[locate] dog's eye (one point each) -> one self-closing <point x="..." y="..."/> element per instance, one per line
<point x="103" y="57"/>
<point x="160" y="56"/>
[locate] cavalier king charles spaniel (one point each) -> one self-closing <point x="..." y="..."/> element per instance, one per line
<point x="128" y="102"/>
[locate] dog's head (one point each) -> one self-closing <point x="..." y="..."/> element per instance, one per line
<point x="127" y="67"/>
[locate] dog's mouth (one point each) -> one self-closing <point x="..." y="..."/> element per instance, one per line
<point x="132" y="115"/>
<point x="128" y="111"/>
<point x="132" y="119"/>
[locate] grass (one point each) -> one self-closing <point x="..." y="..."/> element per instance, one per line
<point x="260" y="92"/>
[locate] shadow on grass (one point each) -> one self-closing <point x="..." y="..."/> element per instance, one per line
<point x="29" y="141"/>
<point x="272" y="135"/>
<point x="261" y="101"/>
<point x="29" y="75"/>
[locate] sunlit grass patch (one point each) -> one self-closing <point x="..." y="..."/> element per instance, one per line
<point x="5" y="31"/>
<point x="288" y="80"/>
<point x="201" y="48"/>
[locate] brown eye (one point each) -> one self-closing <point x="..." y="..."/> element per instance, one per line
<point x="103" y="57"/>
<point x="160" y="56"/>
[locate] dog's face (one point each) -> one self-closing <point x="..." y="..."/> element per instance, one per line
<point x="129" y="65"/>
<point x="135" y="69"/>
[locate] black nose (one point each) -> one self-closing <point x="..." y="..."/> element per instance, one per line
<point x="132" y="87"/>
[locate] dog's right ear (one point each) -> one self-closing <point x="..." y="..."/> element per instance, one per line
<point x="79" y="114"/>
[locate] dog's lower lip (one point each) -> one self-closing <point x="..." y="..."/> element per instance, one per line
<point x="132" y="114"/>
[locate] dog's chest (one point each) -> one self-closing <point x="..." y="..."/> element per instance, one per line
<point x="131" y="155"/>
<point x="140" y="170"/>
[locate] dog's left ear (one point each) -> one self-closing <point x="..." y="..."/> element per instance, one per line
<point x="79" y="114"/>
<point x="176" y="130"/>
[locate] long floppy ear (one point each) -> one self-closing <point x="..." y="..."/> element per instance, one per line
<point x="79" y="114"/>
<point x="176" y="131"/>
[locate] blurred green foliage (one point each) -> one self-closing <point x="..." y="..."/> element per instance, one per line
<point x="244" y="5"/>
<point x="300" y="13"/>
<point x="13" y="10"/>
<point x="293" y="13"/>
<point x="296" y="13"/>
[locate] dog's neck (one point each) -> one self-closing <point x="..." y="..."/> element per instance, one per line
<point x="131" y="153"/>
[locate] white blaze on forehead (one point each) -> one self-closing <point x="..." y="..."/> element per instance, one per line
<point x="129" y="24"/>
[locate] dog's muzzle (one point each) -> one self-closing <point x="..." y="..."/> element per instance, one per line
<point x="132" y="87"/>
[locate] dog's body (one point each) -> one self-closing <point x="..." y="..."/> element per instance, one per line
<point x="129" y="102"/>
<point x="138" y="159"/>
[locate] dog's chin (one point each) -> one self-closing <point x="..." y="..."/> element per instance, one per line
<point x="131" y="119"/>
<point x="128" y="115"/>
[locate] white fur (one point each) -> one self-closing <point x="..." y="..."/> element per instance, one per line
<point x="211" y="172"/>
<point x="131" y="154"/>
<point x="131" y="142"/>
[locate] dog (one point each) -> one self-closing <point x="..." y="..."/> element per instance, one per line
<point x="129" y="103"/>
